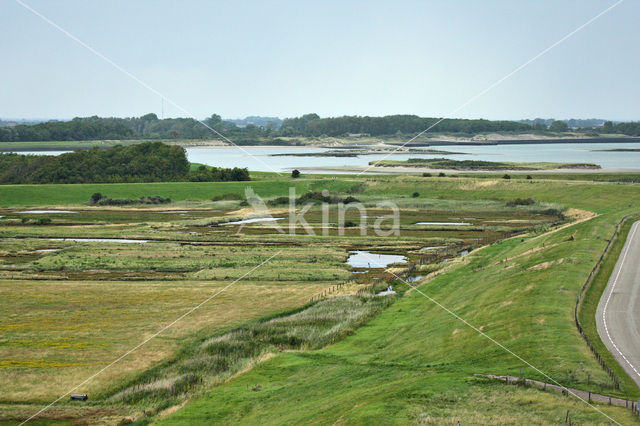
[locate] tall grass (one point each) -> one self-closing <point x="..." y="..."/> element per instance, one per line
<point x="313" y="327"/>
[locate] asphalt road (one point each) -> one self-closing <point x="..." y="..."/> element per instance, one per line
<point x="618" y="313"/>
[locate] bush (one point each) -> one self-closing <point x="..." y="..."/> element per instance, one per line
<point x="425" y="174"/>
<point x="521" y="202"/>
<point x="230" y="196"/>
<point x="529" y="177"/>
<point x="415" y="194"/>
<point x="277" y="201"/>
<point x="506" y="177"/>
<point x="95" y="197"/>
<point x="441" y="174"/>
<point x="216" y="174"/>
<point x="357" y="189"/>
<point x="43" y="221"/>
<point x="295" y="173"/>
<point x="106" y="201"/>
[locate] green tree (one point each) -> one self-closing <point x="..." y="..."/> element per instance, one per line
<point x="559" y="126"/>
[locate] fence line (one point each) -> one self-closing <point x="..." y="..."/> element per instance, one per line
<point x="587" y="395"/>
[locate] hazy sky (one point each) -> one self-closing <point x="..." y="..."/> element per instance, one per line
<point x="286" y="58"/>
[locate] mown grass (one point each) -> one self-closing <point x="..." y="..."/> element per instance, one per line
<point x="79" y="194"/>
<point x="319" y="389"/>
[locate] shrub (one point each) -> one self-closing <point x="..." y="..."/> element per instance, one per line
<point x="441" y="174"/>
<point x="215" y="174"/>
<point x="230" y="196"/>
<point x="295" y="173"/>
<point x="106" y="201"/>
<point x="415" y="194"/>
<point x="95" y="197"/>
<point x="277" y="201"/>
<point x="506" y="177"/>
<point x="425" y="174"/>
<point x="529" y="177"/>
<point x="521" y="202"/>
<point x="357" y="189"/>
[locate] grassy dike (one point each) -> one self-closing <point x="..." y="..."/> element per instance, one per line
<point x="589" y="304"/>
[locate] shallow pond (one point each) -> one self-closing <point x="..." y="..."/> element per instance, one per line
<point x="254" y="220"/>
<point x="99" y="240"/>
<point x="47" y="211"/>
<point x="444" y="223"/>
<point x="366" y="259"/>
<point x="431" y="248"/>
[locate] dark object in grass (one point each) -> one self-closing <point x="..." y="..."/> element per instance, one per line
<point x="521" y="202"/>
<point x="106" y="201"/>
<point x="313" y="196"/>
<point x="95" y="197"/>
<point x="227" y="197"/>
<point x="441" y="174"/>
<point x="78" y="397"/>
<point x="529" y="177"/>
<point x="295" y="173"/>
<point x="415" y="194"/>
<point x="425" y="174"/>
<point x="506" y="177"/>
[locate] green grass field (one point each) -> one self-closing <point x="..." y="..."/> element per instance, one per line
<point x="413" y="362"/>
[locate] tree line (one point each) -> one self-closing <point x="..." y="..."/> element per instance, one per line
<point x="149" y="126"/>
<point x="145" y="162"/>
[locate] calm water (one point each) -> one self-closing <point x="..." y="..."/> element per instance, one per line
<point x="100" y="240"/>
<point x="260" y="159"/>
<point x="366" y="259"/>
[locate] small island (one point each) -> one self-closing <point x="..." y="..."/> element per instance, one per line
<point x="476" y="165"/>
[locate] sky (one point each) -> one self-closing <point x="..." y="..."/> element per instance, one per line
<point x="331" y="57"/>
